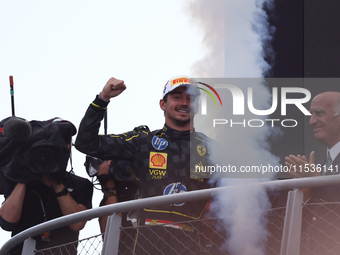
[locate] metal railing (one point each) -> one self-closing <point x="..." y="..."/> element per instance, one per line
<point x="286" y="224"/>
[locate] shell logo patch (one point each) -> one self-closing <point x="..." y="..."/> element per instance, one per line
<point x="201" y="150"/>
<point x="158" y="160"/>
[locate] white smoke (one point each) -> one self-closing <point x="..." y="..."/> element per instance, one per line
<point x="237" y="38"/>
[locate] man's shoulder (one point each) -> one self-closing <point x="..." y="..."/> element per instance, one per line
<point x="204" y="138"/>
<point x="208" y="142"/>
<point x="77" y="181"/>
<point x="81" y="189"/>
<point x="145" y="129"/>
<point x="142" y="128"/>
<point x="138" y="131"/>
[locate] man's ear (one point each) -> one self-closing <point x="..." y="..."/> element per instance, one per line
<point x="162" y="104"/>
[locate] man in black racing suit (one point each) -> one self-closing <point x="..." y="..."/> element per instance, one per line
<point x="164" y="160"/>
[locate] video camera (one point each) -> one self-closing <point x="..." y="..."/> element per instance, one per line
<point x="30" y="149"/>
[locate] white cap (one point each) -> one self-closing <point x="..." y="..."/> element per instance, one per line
<point x="180" y="80"/>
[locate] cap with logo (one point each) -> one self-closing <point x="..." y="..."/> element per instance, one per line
<point x="181" y="80"/>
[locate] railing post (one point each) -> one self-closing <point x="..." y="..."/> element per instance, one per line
<point x="112" y="234"/>
<point x="28" y="247"/>
<point x="290" y="244"/>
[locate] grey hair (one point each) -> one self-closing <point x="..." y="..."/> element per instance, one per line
<point x="336" y="107"/>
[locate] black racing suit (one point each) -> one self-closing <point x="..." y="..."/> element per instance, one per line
<point x="164" y="161"/>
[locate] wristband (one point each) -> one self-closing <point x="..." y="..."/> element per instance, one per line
<point x="64" y="192"/>
<point x="103" y="179"/>
<point x="109" y="192"/>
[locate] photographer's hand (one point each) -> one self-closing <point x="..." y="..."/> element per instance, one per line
<point x="103" y="171"/>
<point x="67" y="204"/>
<point x="112" y="88"/>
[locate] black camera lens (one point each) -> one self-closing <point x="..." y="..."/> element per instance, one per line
<point x="44" y="159"/>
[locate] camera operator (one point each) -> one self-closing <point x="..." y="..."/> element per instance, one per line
<point x="109" y="190"/>
<point x="118" y="184"/>
<point x="36" y="201"/>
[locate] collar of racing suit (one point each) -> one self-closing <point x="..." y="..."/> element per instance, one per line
<point x="178" y="134"/>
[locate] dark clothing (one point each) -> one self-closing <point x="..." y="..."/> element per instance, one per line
<point x="321" y="218"/>
<point x="321" y="229"/>
<point x="159" y="238"/>
<point x="328" y="193"/>
<point x="33" y="211"/>
<point x="164" y="162"/>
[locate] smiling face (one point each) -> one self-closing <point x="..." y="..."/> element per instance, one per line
<point x="325" y="125"/>
<point x="178" y="109"/>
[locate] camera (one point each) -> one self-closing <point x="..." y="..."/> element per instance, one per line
<point x="44" y="158"/>
<point x="30" y="149"/>
<point x="120" y="170"/>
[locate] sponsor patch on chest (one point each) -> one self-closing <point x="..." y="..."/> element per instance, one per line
<point x="158" y="160"/>
<point x="157" y="174"/>
<point x="175" y="188"/>
<point x="159" y="143"/>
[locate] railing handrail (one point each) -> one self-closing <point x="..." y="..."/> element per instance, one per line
<point x="287" y="184"/>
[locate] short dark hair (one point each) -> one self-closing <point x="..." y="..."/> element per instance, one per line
<point x="165" y="98"/>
